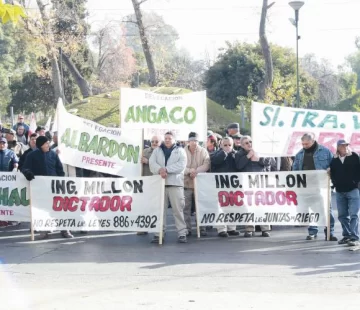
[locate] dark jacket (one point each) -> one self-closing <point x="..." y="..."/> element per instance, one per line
<point x="243" y="164"/>
<point x="23" y="157"/>
<point x="44" y="164"/>
<point x="7" y="160"/>
<point x="345" y="176"/>
<point x="222" y="162"/>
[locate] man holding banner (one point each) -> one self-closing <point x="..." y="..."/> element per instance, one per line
<point x="314" y="156"/>
<point x="169" y="160"/>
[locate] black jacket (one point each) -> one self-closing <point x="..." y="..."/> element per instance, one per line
<point x="44" y="164"/>
<point x="345" y="176"/>
<point x="23" y="157"/>
<point x="243" y="164"/>
<point x="222" y="162"/>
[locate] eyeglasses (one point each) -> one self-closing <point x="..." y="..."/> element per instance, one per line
<point x="249" y="142"/>
<point x="155" y="141"/>
<point x="227" y="144"/>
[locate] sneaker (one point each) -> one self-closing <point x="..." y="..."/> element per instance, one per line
<point x="67" y="235"/>
<point x="233" y="233"/>
<point x="353" y="243"/>
<point x="265" y="234"/>
<point x="203" y="233"/>
<point x="332" y="238"/>
<point x="182" y="239"/>
<point x="248" y="234"/>
<point x="344" y="240"/>
<point x="311" y="237"/>
<point x="223" y="234"/>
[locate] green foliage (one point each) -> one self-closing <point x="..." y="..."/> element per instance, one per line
<point x="354" y="61"/>
<point x="351" y="104"/>
<point x="32" y="93"/>
<point x="241" y="68"/>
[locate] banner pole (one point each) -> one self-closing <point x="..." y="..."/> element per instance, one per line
<point x="196" y="210"/>
<point x="32" y="236"/>
<point x="162" y="210"/>
<point x="328" y="209"/>
<point x="142" y="150"/>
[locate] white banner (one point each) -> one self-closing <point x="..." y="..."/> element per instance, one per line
<point x="277" y="131"/>
<point x="14" y="197"/>
<point x="158" y="113"/>
<point x="281" y="198"/>
<point x="86" y="144"/>
<point x="90" y="204"/>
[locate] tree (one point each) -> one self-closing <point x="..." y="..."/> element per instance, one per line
<point x="114" y="62"/>
<point x="265" y="47"/>
<point x="240" y="69"/>
<point x="145" y="42"/>
<point x="11" y="12"/>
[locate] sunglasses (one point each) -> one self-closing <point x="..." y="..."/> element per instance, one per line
<point x="249" y="142"/>
<point x="227" y="145"/>
<point x="155" y="141"/>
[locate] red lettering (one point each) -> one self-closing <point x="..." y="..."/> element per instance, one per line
<point x="126" y="203"/>
<point x="238" y="198"/>
<point x="260" y="198"/>
<point x="104" y="203"/>
<point x="249" y="195"/>
<point x="355" y="142"/>
<point x="84" y="201"/>
<point x="295" y="142"/>
<point x="329" y="139"/>
<point x="71" y="206"/>
<point x="58" y="203"/>
<point x="280" y="198"/>
<point x="94" y="204"/>
<point x="291" y="197"/>
<point x="223" y="198"/>
<point x="270" y="198"/>
<point x="115" y="203"/>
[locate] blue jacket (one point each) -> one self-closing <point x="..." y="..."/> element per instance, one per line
<point x="7" y="160"/>
<point x="322" y="159"/>
<point x="44" y="164"/>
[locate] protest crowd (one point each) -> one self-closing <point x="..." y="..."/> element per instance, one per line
<point x="179" y="162"/>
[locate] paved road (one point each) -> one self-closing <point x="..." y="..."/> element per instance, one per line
<point x="125" y="271"/>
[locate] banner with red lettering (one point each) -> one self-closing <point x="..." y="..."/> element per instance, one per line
<point x="89" y="204"/>
<point x="277" y="131"/>
<point x="14" y="197"/>
<point x="86" y="144"/>
<point x="274" y="198"/>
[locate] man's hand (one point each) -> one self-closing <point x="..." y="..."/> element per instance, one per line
<point x="193" y="173"/>
<point x="163" y="173"/>
<point x="250" y="154"/>
<point x="144" y="160"/>
<point x="255" y="158"/>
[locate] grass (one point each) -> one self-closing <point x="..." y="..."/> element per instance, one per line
<point x="105" y="110"/>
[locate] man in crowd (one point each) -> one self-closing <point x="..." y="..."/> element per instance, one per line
<point x="32" y="146"/>
<point x="8" y="162"/>
<point x="17" y="147"/>
<point x="154" y="143"/>
<point x="211" y="143"/>
<point x="233" y="130"/>
<point x="345" y="176"/>
<point x="40" y="130"/>
<point x="20" y="122"/>
<point x="21" y="135"/>
<point x="198" y="161"/>
<point x="314" y="156"/>
<point x="237" y="141"/>
<point x="169" y="160"/>
<point x="43" y="162"/>
<point x="223" y="160"/>
<point x="247" y="161"/>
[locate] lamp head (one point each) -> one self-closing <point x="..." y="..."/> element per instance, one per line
<point x="296" y="5"/>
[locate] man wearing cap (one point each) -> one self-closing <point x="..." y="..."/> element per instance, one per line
<point x="198" y="161"/>
<point x="211" y="143"/>
<point x="314" y="156"/>
<point x="44" y="162"/>
<point x="345" y="176"/>
<point x="233" y="129"/>
<point x="169" y="161"/>
<point x="21" y="123"/>
<point x="32" y="147"/>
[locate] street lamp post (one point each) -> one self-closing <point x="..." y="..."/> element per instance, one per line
<point x="297" y="5"/>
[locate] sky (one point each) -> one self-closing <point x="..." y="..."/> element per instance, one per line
<point x="328" y="28"/>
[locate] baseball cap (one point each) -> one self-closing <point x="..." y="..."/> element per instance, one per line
<point x="3" y="140"/>
<point x="342" y="142"/>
